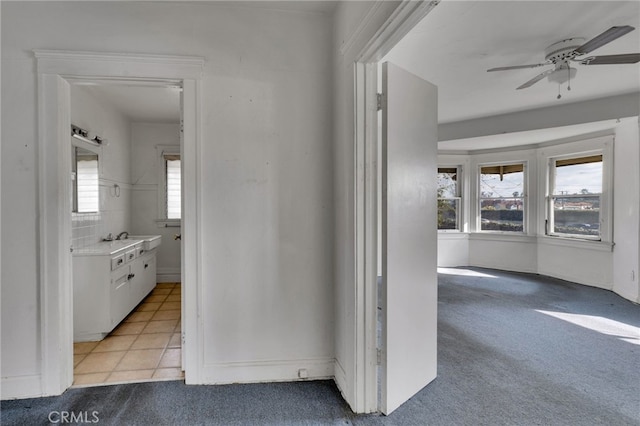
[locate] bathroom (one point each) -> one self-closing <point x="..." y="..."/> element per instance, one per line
<point x="137" y="127"/>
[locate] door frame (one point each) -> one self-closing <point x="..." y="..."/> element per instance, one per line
<point x="54" y="68"/>
<point x="400" y="22"/>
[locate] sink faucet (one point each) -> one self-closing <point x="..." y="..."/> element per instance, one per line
<point x="125" y="233"/>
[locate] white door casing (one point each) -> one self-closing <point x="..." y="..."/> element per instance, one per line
<point x="409" y="235"/>
<point x="54" y="232"/>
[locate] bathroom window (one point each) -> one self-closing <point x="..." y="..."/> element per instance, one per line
<point x="169" y="186"/>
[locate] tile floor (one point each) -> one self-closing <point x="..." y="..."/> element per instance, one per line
<point x="146" y="346"/>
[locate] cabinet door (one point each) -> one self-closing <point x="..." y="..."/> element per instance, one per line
<point x="149" y="273"/>
<point x="120" y="295"/>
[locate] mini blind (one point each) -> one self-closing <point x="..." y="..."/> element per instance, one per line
<point x="173" y="186"/>
<point x="88" y="193"/>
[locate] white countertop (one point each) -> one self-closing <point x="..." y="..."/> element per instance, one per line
<point x="107" y="248"/>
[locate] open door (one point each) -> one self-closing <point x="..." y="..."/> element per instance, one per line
<point x="409" y="236"/>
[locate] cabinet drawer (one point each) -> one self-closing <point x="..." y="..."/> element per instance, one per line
<point x="130" y="255"/>
<point x="117" y="261"/>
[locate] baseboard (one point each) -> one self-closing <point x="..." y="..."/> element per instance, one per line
<point x="168" y="275"/>
<point x="20" y="387"/>
<point x="340" y="377"/>
<point x="267" y="371"/>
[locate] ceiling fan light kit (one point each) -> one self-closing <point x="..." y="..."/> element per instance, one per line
<point x="562" y="53"/>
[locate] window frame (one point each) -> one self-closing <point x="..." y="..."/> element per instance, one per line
<point x="523" y="196"/>
<point x="162" y="151"/>
<point x="605" y="216"/>
<point x="458" y="197"/>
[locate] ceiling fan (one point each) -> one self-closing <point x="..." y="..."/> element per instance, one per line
<point x="562" y="53"/>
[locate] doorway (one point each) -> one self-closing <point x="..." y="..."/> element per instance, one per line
<point x="55" y="70"/>
<point x="132" y="332"/>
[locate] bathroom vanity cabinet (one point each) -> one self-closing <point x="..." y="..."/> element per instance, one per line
<point x="109" y="280"/>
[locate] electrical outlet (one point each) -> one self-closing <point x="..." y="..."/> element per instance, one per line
<point x="303" y="373"/>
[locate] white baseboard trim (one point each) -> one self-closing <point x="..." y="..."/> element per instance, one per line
<point x="21" y="387"/>
<point x="340" y="377"/>
<point x="168" y="275"/>
<point x="267" y="371"/>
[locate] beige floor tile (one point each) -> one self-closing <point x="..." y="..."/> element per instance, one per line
<point x="167" y="373"/>
<point x="89" y="379"/>
<point x="152" y="341"/>
<point x="171" y="358"/>
<point x="158" y="291"/>
<point x="175" y="341"/>
<point x="83" y="347"/>
<point x="140" y="316"/>
<point x="155" y="298"/>
<point x="174" y="298"/>
<point x="165" y="326"/>
<point x="146" y="307"/>
<point x="115" y="343"/>
<point x="77" y="358"/>
<point x="166" y="285"/>
<point x="125" y="376"/>
<point x="143" y="359"/>
<point x="166" y="306"/>
<point x="99" y="362"/>
<point x="129" y="328"/>
<point x="176" y="291"/>
<point x="166" y="315"/>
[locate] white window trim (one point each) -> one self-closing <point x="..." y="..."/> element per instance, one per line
<point x="163" y="221"/>
<point x="601" y="145"/>
<point x="525" y="197"/>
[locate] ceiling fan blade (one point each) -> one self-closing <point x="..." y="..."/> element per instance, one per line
<point x="536" y="79"/>
<point x="625" y="58"/>
<point x="604" y="38"/>
<point x="517" y="67"/>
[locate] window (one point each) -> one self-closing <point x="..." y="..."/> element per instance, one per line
<point x="86" y="192"/>
<point x="449" y="200"/>
<point x="575" y="196"/>
<point x="502" y="197"/>
<point x="169" y="186"/>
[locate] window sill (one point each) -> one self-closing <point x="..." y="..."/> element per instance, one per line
<point x="453" y="235"/>
<point x="502" y="237"/>
<point x="168" y="223"/>
<point x="576" y="243"/>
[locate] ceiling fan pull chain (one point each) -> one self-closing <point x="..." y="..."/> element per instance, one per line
<point x="569" y="81"/>
<point x="559" y="95"/>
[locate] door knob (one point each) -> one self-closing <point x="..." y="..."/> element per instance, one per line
<point x="177" y="237"/>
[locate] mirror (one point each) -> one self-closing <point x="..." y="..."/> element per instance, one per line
<point x="86" y="191"/>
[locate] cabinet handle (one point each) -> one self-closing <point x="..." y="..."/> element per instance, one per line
<point x="130" y="276"/>
<point x="119" y="261"/>
<point x="146" y="265"/>
<point x="141" y="251"/>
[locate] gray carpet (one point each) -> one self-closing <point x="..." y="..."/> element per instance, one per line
<point x="510" y="353"/>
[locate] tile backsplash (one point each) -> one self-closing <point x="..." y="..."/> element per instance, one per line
<point x="113" y="217"/>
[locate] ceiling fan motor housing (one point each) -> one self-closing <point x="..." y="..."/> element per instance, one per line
<point x="563" y="50"/>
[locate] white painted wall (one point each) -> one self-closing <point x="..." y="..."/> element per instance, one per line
<point x="89" y="113"/>
<point x="144" y="203"/>
<point x="266" y="177"/>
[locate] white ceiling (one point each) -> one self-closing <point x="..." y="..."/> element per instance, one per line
<point x="138" y="102"/>
<point x="458" y="41"/>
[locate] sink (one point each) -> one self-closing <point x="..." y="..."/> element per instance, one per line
<point x="149" y="242"/>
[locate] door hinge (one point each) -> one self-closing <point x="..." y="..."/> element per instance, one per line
<point x="379" y="356"/>
<point x="379" y="100"/>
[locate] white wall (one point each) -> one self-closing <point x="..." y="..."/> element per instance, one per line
<point x="89" y="113"/>
<point x="144" y="204"/>
<point x="265" y="182"/>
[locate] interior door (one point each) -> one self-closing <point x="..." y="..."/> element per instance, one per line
<point x="409" y="236"/>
